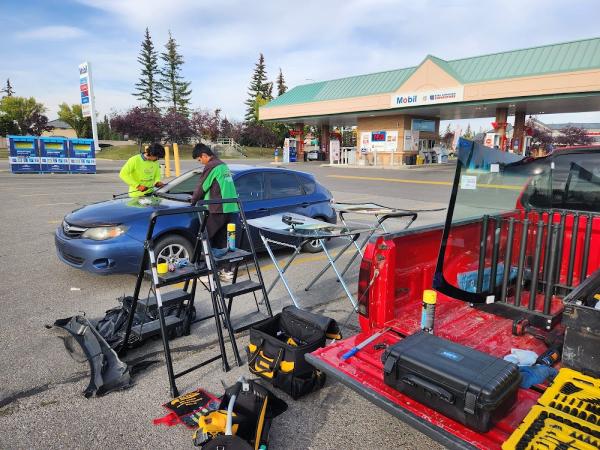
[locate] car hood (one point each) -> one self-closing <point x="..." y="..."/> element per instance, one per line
<point x="118" y="211"/>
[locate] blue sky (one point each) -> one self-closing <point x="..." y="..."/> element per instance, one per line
<point x="44" y="41"/>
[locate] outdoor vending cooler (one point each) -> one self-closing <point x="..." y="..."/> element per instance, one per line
<point x="54" y="153"/>
<point x="82" y="156"/>
<point x="24" y="156"/>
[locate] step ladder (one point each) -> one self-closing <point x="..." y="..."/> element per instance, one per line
<point x="202" y="263"/>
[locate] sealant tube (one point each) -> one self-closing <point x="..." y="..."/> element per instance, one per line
<point x="428" y="312"/>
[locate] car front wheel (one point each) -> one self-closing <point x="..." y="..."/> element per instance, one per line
<point x="172" y="248"/>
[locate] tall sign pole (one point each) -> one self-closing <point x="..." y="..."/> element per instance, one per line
<point x="88" y="104"/>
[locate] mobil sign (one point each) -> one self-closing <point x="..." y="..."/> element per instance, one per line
<point x="423" y="98"/>
<point x="84" y="89"/>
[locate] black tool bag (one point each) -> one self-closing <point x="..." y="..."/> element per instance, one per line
<point x="278" y="345"/>
<point x="467" y="385"/>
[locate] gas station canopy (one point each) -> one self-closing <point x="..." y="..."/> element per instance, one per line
<point x="558" y="78"/>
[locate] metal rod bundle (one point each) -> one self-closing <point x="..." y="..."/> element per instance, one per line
<point x="554" y="232"/>
<point x="522" y="254"/>
<point x="586" y="248"/>
<point x="536" y="264"/>
<point x="482" y="252"/>
<point x="507" y="259"/>
<point x="573" y="249"/>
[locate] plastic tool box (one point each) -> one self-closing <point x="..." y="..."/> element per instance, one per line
<point x="567" y="417"/>
<point x="469" y="386"/>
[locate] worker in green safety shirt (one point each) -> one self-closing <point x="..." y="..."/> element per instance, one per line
<point x="142" y="172"/>
<point x="215" y="183"/>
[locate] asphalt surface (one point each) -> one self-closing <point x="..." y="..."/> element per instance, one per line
<point x="41" y="405"/>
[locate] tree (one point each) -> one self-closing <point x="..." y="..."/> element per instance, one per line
<point x="8" y="89"/>
<point x="258" y="88"/>
<point x="176" y="91"/>
<point x="255" y="134"/>
<point x="447" y="138"/>
<point x="73" y="116"/>
<point x="281" y="87"/>
<point x="23" y="115"/>
<point x="571" y="135"/>
<point x="468" y="134"/>
<point x="206" y="124"/>
<point x="176" y="127"/>
<point x="540" y="138"/>
<point x="148" y="87"/>
<point x="142" y="124"/>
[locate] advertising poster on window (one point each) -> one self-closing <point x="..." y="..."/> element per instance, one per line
<point x="391" y="141"/>
<point x="411" y="141"/>
<point x="365" y="142"/>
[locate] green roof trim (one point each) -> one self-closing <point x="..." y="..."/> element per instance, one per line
<point x="572" y="56"/>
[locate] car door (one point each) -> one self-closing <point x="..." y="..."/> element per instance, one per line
<point x="285" y="193"/>
<point x="250" y="188"/>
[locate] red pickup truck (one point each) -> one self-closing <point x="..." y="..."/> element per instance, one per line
<point x="540" y="219"/>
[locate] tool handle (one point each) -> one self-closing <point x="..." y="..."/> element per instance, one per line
<point x="350" y="353"/>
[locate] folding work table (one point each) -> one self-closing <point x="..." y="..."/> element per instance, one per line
<point x="293" y="231"/>
<point x="380" y="213"/>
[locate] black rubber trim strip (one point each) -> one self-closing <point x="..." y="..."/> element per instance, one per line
<point x="443" y="437"/>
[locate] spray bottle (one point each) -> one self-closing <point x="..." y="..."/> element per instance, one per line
<point x="428" y="311"/>
<point x="231" y="236"/>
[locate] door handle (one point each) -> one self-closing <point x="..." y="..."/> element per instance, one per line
<point x="262" y="210"/>
<point x="305" y="205"/>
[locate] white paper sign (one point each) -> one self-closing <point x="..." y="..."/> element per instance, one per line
<point x="494" y="168"/>
<point x="468" y="182"/>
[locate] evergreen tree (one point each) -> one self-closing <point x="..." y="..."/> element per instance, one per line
<point x="148" y="87"/>
<point x="281" y="87"/>
<point x="468" y="134"/>
<point x="176" y="91"/>
<point x="8" y="89"/>
<point x="258" y="88"/>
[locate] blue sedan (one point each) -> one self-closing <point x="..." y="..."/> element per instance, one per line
<point x="108" y="237"/>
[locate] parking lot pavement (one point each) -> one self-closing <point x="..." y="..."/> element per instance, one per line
<point x="41" y="405"/>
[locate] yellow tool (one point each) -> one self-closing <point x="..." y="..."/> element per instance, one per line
<point x="212" y="425"/>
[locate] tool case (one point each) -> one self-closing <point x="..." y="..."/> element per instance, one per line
<point x="469" y="386"/>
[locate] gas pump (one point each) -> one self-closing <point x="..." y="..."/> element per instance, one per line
<point x="290" y="150"/>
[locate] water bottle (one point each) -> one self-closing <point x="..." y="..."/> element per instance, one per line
<point x="428" y="312"/>
<point x="231" y="236"/>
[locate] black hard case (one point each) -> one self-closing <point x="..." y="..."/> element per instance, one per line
<point x="467" y="385"/>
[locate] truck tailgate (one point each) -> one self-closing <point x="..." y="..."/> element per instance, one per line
<point x="363" y="373"/>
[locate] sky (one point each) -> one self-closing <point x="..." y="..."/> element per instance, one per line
<point x="312" y="40"/>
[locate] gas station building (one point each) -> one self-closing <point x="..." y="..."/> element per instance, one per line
<point x="397" y="113"/>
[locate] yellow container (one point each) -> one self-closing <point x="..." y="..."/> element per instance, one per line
<point x="162" y="267"/>
<point x="420" y="160"/>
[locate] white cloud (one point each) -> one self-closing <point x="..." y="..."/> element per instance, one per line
<point x="53" y="32"/>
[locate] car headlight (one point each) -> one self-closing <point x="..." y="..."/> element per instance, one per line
<point x="104" y="233"/>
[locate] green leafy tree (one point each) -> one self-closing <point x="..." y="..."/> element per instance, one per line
<point x="258" y="88"/>
<point x="176" y="91"/>
<point x="73" y="116"/>
<point x="281" y="86"/>
<point x="148" y="87"/>
<point x="23" y="115"/>
<point x="8" y="89"/>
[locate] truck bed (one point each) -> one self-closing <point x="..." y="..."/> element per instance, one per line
<point x="458" y="322"/>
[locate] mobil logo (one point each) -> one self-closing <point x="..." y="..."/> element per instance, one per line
<point x="404" y="99"/>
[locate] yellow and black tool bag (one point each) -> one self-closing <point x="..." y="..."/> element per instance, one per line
<point x="278" y="345"/>
<point x="253" y="410"/>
